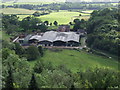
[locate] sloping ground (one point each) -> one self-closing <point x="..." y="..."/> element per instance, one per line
<point x="16" y="11"/>
<point x="76" y="61"/>
<point x="63" y="17"/>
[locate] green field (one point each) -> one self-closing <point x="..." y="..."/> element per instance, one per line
<point x="63" y="17"/>
<point x="17" y="11"/>
<point x="35" y="2"/>
<point x="77" y="60"/>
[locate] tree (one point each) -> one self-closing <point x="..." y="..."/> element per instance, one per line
<point x="7" y="44"/>
<point x="33" y="85"/>
<point x="42" y="27"/>
<point x="80" y="15"/>
<point x="103" y="31"/>
<point x="50" y="24"/>
<point x="9" y="80"/>
<point x="70" y="23"/>
<point x="76" y="25"/>
<point x="11" y="29"/>
<point x="40" y="49"/>
<point x="72" y="87"/>
<point x="99" y="78"/>
<point x="32" y="53"/>
<point x="6" y="52"/>
<point x="36" y="14"/>
<point x="20" y="68"/>
<point x="46" y="22"/>
<point x="38" y="68"/>
<point x="55" y="23"/>
<point x="18" y="49"/>
<point x="76" y="21"/>
<point x="30" y="23"/>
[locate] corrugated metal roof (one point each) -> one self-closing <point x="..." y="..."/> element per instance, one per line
<point x="37" y="37"/>
<point x="48" y="36"/>
<point x="60" y="37"/>
<point x="73" y="37"/>
<point x="53" y="36"/>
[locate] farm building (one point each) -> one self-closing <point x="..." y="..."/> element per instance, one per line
<point x="63" y="28"/>
<point x="53" y="38"/>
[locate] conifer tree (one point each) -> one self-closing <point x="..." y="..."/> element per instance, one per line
<point x="33" y="85"/>
<point x="9" y="80"/>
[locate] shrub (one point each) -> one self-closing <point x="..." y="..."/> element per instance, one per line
<point x="32" y="53"/>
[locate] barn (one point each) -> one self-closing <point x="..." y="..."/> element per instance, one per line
<point x="34" y="38"/>
<point x="53" y="38"/>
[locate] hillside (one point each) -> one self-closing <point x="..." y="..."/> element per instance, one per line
<point x="33" y="0"/>
<point x="16" y="11"/>
<point x="61" y="0"/>
<point x="63" y="17"/>
<point x="75" y="60"/>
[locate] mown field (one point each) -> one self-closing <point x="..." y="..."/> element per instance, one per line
<point x="64" y="17"/>
<point x="77" y="60"/>
<point x="17" y="11"/>
<point x="35" y="2"/>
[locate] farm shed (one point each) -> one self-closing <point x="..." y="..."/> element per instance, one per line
<point x="34" y="39"/>
<point x="53" y="38"/>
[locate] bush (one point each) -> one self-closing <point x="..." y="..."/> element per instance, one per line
<point x="99" y="78"/>
<point x="40" y="49"/>
<point x="32" y="53"/>
<point x="18" y="49"/>
<point x="38" y="68"/>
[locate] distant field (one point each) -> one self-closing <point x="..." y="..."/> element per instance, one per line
<point x="75" y="60"/>
<point x="64" y="17"/>
<point x="26" y="2"/>
<point x="22" y="16"/>
<point x="17" y="11"/>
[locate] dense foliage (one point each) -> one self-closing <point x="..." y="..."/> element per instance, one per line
<point x="103" y="30"/>
<point x="32" y="53"/>
<point x="103" y="33"/>
<point x="79" y="24"/>
<point x="18" y="73"/>
<point x="11" y="24"/>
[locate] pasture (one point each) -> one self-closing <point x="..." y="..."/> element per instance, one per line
<point x="77" y="60"/>
<point x="64" y="17"/>
<point x="17" y="11"/>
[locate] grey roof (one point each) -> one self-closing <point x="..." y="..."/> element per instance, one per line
<point x="73" y="37"/>
<point x="48" y="36"/>
<point x="52" y="36"/>
<point x="37" y="37"/>
<point x="61" y="37"/>
<point x="26" y="39"/>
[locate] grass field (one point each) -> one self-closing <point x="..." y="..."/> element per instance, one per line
<point x="35" y="2"/>
<point x="22" y="16"/>
<point x="17" y="11"/>
<point x="63" y="17"/>
<point x="75" y="60"/>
